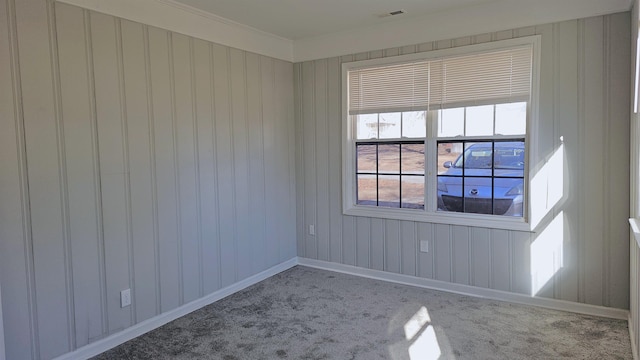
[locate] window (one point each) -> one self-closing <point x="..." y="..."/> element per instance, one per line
<point x="441" y="136"/>
<point x="390" y="161"/>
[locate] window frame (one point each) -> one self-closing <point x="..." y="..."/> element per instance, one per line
<point x="430" y="213"/>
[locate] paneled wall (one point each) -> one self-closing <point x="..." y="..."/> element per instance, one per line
<point x="132" y="157"/>
<point x="579" y="250"/>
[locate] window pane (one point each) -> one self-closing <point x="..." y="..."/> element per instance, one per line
<point x="451" y="122"/>
<point x="448" y="154"/>
<point x="389" y="190"/>
<point x="511" y="119"/>
<point x="367" y="126"/>
<point x="477" y="159"/>
<point x="477" y="195"/>
<point x="413" y="192"/>
<point x="389" y="125"/>
<point x="367" y="190"/>
<point x="389" y="158"/>
<point x="414" y="124"/>
<point x="482" y="189"/>
<point x="413" y="159"/>
<point x="508" y="195"/>
<point x="479" y="120"/>
<point x="450" y="193"/>
<point x="366" y="158"/>
<point x="509" y="159"/>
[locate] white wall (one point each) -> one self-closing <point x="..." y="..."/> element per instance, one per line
<point x="583" y="98"/>
<point x="132" y="157"/>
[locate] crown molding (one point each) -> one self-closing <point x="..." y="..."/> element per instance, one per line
<point x="466" y="21"/>
<point x="483" y="18"/>
<point x="187" y="20"/>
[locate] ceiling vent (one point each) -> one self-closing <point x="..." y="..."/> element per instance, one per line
<point x="393" y="13"/>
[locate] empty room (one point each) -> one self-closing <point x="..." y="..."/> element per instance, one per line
<point x="353" y="179"/>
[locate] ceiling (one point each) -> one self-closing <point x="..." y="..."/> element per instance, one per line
<point x="301" y="30"/>
<point x="299" y="19"/>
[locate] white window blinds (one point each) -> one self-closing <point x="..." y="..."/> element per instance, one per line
<point x="490" y="77"/>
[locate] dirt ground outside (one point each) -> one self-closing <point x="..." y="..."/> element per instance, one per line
<point x="389" y="163"/>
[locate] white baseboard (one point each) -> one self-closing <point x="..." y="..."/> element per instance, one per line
<point x="468" y="290"/>
<point x="632" y="336"/>
<point x="134" y="331"/>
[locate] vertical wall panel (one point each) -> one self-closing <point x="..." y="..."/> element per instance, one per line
<point x="138" y="141"/>
<point x="205" y="132"/>
<point x="392" y="261"/>
<point x="140" y="175"/>
<point x="521" y="262"/>
<point x="239" y="129"/>
<point x="442" y="253"/>
<point x="566" y="109"/>
<point x="592" y="148"/>
<point x="184" y="125"/>
<point x="84" y="215"/>
<point x="481" y="257"/>
<point x="225" y="162"/>
<point x="617" y="169"/>
<point x="257" y="208"/>
<point x="363" y="238"/>
<point x="16" y="263"/>
<point x="286" y="131"/>
<point x="272" y="140"/>
<point x="112" y="168"/>
<point x="165" y="166"/>
<point x="334" y="119"/>
<point x="322" y="158"/>
<point x="408" y="247"/>
<point x="376" y="248"/>
<point x="500" y="260"/>
<point x="46" y="175"/>
<point x="309" y="161"/>
<point x="461" y="256"/>
<point x="299" y="168"/>
<point x="349" y="250"/>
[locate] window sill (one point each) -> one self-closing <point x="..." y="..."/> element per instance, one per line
<point x="475" y="220"/>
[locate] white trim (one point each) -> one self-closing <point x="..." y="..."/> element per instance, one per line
<point x="467" y="290"/>
<point x="116" y="339"/>
<point x="632" y="336"/>
<point x="465" y="21"/>
<point x="430" y="214"/>
<point x="635" y="229"/>
<point x="174" y="16"/>
<point x="475" y="220"/>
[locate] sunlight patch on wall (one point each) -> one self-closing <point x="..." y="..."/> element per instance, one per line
<point x="547" y="187"/>
<point x="546" y="254"/>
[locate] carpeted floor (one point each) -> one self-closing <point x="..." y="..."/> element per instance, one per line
<point x="305" y="313"/>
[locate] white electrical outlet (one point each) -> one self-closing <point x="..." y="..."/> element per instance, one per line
<point x="125" y="298"/>
<point x="424" y="245"/>
<point x="312" y="230"/>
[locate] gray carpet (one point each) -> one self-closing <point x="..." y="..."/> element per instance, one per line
<point x="305" y="313"/>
